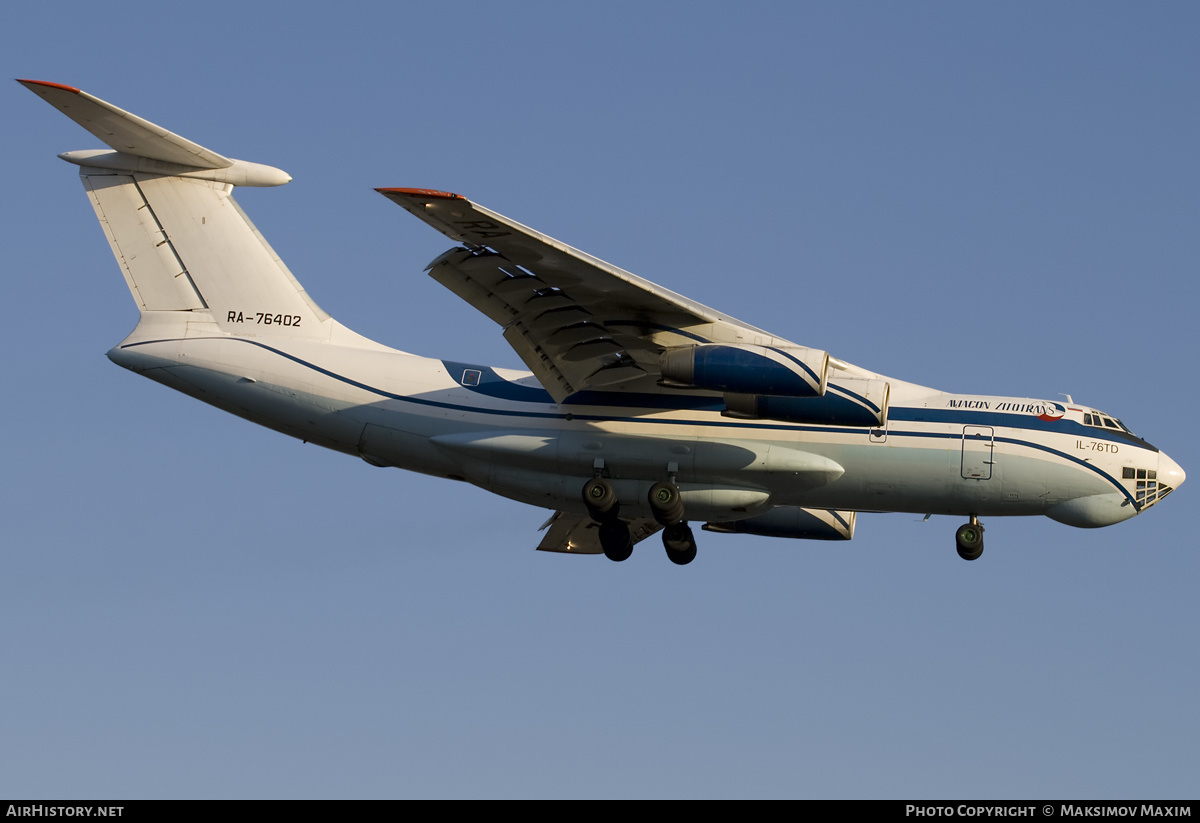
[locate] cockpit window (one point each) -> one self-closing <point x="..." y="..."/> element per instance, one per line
<point x="1102" y="421"/>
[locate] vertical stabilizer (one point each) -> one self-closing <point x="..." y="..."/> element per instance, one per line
<point x="183" y="243"/>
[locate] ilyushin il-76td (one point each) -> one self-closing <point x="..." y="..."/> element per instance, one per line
<point x="642" y="411"/>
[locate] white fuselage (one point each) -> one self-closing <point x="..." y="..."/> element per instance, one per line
<point x="500" y="430"/>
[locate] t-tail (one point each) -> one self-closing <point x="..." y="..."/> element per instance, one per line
<point x="193" y="261"/>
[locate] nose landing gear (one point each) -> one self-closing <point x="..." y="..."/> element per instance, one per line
<point x="969" y="539"/>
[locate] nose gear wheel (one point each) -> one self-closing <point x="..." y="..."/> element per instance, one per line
<point x="969" y="539"/>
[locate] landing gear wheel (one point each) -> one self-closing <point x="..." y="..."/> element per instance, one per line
<point x="615" y="540"/>
<point x="666" y="504"/>
<point x="600" y="499"/>
<point x="679" y="543"/>
<point x="682" y="558"/>
<point x="969" y="540"/>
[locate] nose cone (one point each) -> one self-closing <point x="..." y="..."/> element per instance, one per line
<point x="1169" y="472"/>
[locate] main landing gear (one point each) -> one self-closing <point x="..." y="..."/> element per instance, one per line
<point x="680" y="544"/>
<point x="603" y="506"/>
<point x="616" y="540"/>
<point x="666" y="505"/>
<point x="969" y="539"/>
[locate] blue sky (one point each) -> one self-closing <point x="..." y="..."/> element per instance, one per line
<point x="995" y="199"/>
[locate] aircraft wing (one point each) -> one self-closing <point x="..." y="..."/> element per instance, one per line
<point x="578" y="534"/>
<point x="577" y="322"/>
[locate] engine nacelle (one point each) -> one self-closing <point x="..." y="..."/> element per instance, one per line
<point x="850" y="402"/>
<point x="787" y="371"/>
<point x="793" y="522"/>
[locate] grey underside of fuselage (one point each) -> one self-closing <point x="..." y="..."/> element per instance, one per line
<point x="916" y="468"/>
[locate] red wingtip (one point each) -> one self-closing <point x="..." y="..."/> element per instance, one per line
<point x="445" y="195"/>
<point x="71" y="89"/>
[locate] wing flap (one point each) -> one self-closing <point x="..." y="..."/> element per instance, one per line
<point x="543" y="367"/>
<point x="562" y="341"/>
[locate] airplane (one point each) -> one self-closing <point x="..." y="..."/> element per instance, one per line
<point x="642" y="411"/>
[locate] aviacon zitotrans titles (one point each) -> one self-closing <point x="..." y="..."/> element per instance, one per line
<point x="642" y="411"/>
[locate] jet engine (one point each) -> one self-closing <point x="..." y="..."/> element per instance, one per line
<point x="788" y="371"/>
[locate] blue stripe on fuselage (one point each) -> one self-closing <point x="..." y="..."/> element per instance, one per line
<point x="634" y="402"/>
<point x="971" y="417"/>
<point x="494" y="386"/>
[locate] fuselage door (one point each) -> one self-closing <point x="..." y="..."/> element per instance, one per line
<point x="977" y="449"/>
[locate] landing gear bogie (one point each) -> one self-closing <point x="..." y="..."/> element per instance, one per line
<point x="616" y="539"/>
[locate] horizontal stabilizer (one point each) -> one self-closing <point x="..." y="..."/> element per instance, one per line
<point x="140" y="146"/>
<point x="123" y="131"/>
